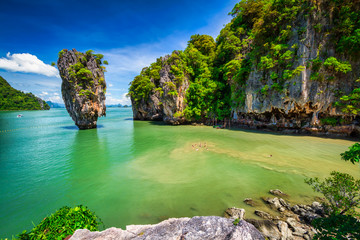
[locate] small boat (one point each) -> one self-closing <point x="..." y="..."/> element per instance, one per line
<point x="20" y="115"/>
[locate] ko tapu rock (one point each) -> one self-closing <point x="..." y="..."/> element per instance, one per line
<point x="83" y="86"/>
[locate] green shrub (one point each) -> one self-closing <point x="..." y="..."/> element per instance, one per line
<point x="329" y="121"/>
<point x="353" y="154"/>
<point x="333" y="64"/>
<point x="341" y="191"/>
<point x="350" y="103"/>
<point x="89" y="52"/>
<point x="264" y="90"/>
<point x="63" y="223"/>
<point x="337" y="227"/>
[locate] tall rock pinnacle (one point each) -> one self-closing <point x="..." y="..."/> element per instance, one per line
<point x="83" y="86"/>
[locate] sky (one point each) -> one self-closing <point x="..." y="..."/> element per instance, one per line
<point x="130" y="34"/>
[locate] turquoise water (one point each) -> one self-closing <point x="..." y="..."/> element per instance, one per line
<point x="132" y="172"/>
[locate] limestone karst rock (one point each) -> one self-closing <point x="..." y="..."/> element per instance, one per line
<point x="301" y="82"/>
<point x="83" y="86"/>
<point x="165" y="103"/>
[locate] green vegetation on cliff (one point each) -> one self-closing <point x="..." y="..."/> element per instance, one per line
<point x="263" y="37"/>
<point x="12" y="99"/>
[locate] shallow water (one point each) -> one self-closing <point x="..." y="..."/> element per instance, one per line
<point x="132" y="172"/>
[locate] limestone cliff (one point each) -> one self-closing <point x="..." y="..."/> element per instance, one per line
<point x="300" y="102"/>
<point x="83" y="86"/>
<point x="167" y="97"/>
<point x="283" y="65"/>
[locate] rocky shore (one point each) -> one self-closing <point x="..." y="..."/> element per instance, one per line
<point x="290" y="223"/>
<point x="350" y="130"/>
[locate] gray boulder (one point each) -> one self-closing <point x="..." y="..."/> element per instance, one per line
<point x="210" y="227"/>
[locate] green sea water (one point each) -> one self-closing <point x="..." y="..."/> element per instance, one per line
<point x="133" y="172"/>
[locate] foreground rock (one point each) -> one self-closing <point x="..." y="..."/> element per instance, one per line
<point x="293" y="223"/>
<point x="83" y="86"/>
<point x="178" y="228"/>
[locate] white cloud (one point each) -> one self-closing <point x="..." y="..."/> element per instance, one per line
<point x="110" y="85"/>
<point x="55" y="99"/>
<point x="124" y="100"/>
<point x="27" y="63"/>
<point x="50" y="96"/>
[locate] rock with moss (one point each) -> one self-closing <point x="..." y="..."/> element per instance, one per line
<point x="83" y="86"/>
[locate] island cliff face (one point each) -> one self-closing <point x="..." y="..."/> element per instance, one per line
<point x="83" y="86"/>
<point x="168" y="96"/>
<point x="292" y="66"/>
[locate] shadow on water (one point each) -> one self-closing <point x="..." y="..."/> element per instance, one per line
<point x="129" y="119"/>
<point x="69" y="127"/>
<point x="76" y="128"/>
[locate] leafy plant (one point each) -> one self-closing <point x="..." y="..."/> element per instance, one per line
<point x="337" y="227"/>
<point x="329" y="121"/>
<point x="341" y="191"/>
<point x="236" y="221"/>
<point x="62" y="223"/>
<point x="264" y="90"/>
<point x="353" y="154"/>
<point x="333" y="64"/>
<point x="350" y="103"/>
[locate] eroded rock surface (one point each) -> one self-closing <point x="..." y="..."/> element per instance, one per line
<point x="210" y="227"/>
<point x="293" y="222"/>
<point x="166" y="100"/>
<point x="83" y="86"/>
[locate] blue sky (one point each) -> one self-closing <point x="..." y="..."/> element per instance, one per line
<point x="131" y="34"/>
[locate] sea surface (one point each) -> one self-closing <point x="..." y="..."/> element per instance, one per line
<point x="134" y="172"/>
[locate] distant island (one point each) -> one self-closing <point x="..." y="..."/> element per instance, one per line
<point x="55" y="105"/>
<point x="12" y="99"/>
<point x="118" y="105"/>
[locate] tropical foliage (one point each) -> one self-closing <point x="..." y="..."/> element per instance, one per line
<point x="342" y="194"/>
<point x="353" y="154"/>
<point x="341" y="191"/>
<point x="258" y="40"/>
<point x="63" y="223"/>
<point x="12" y="99"/>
